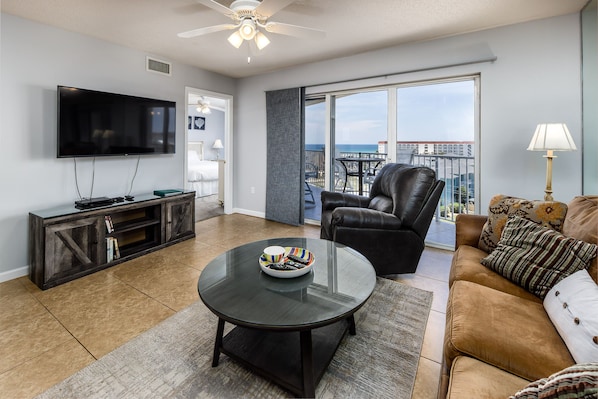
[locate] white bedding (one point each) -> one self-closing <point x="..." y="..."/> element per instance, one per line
<point x="202" y="176"/>
<point x="202" y="171"/>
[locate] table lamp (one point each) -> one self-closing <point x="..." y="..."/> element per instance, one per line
<point x="551" y="137"/>
<point x="217" y="146"/>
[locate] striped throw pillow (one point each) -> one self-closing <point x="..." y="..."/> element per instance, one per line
<point x="537" y="257"/>
<point x="579" y="381"/>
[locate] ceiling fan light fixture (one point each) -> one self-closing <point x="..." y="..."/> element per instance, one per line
<point x="235" y="39"/>
<point x="261" y="40"/>
<point x="247" y="29"/>
<point x="204" y="110"/>
<point x="203" y="106"/>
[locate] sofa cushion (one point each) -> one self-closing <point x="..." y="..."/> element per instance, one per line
<point x="548" y="213"/>
<point x="503" y="330"/>
<point x="471" y="378"/>
<point x="581" y="222"/>
<point x="579" y="381"/>
<point x="537" y="257"/>
<point x="572" y="305"/>
<point x="466" y="266"/>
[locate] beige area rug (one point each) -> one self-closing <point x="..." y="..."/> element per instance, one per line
<point x="173" y="359"/>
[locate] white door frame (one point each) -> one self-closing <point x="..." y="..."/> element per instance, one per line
<point x="228" y="140"/>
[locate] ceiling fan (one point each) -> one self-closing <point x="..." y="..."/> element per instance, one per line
<point x="249" y="16"/>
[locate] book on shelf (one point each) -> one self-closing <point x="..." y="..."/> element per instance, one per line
<point x="112" y="250"/>
<point x="109" y="249"/>
<point x="116" y="249"/>
<point x="109" y="225"/>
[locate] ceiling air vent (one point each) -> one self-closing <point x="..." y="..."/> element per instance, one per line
<point x="158" y="66"/>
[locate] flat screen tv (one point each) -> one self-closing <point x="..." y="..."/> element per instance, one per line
<point x="94" y="123"/>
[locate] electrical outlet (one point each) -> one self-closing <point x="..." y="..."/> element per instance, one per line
<point x="252" y="190"/>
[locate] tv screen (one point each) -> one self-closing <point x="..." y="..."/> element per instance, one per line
<point x="94" y="123"/>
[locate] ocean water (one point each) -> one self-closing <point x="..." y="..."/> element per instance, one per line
<point x="345" y="147"/>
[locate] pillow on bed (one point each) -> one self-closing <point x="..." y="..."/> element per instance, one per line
<point x="193" y="156"/>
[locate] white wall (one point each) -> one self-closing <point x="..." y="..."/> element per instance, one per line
<point x="35" y="59"/>
<point x="535" y="79"/>
<point x="214" y="129"/>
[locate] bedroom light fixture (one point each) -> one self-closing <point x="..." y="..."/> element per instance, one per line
<point x="203" y="106"/>
<point x="217" y="147"/>
<point x="551" y="137"/>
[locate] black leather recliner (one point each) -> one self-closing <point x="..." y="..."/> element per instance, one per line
<point x="389" y="226"/>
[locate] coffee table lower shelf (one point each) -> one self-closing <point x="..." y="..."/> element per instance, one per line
<point x="295" y="360"/>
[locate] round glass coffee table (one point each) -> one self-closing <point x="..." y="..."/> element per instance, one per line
<point x="287" y="330"/>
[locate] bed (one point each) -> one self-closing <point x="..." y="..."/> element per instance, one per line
<point x="202" y="175"/>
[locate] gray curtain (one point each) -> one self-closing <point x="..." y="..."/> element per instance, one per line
<point x="285" y="156"/>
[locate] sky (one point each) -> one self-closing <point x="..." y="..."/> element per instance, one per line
<point x="431" y="112"/>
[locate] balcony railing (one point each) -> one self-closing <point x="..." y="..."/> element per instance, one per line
<point x="457" y="172"/>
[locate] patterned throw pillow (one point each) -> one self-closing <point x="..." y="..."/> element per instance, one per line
<point x="579" y="381"/>
<point x="547" y="213"/>
<point x="536" y="257"/>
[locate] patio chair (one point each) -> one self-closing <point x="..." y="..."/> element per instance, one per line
<point x="311" y="172"/>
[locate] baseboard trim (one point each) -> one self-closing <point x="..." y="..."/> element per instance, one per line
<point x="14" y="273"/>
<point x="250" y="213"/>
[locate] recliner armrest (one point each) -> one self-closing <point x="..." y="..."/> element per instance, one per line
<point x="364" y="218"/>
<point x="468" y="229"/>
<point x="332" y="200"/>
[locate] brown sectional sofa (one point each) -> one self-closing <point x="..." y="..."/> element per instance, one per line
<point x="498" y="336"/>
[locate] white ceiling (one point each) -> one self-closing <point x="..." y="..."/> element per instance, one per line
<point x="352" y="26"/>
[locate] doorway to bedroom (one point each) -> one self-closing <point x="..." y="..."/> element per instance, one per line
<point x="208" y="144"/>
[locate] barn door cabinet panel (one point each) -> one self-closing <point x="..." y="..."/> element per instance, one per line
<point x="66" y="243"/>
<point x="180" y="218"/>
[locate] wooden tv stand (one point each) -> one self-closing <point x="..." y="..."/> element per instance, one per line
<point x="66" y="243"/>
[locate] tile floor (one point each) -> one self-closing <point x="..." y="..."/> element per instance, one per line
<point x="45" y="336"/>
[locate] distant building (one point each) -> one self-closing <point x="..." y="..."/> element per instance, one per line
<point x="458" y="148"/>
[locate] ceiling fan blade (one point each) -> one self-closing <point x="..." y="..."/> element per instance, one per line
<point x="269" y="7"/>
<point x="218" y="7"/>
<point x="205" y="31"/>
<point x="294" y="30"/>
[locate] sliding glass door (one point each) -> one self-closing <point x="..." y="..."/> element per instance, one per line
<point x="360" y="128"/>
<point x="315" y="162"/>
<point x="351" y="135"/>
<point x="436" y="127"/>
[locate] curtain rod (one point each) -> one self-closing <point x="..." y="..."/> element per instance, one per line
<point x="386" y="75"/>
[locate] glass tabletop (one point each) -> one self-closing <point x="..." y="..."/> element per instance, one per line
<point x="234" y="287"/>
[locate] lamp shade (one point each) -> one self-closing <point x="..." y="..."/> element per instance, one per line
<point x="247" y="29"/>
<point x="261" y="40"/>
<point x="552" y="136"/>
<point x="235" y="39"/>
<point x="217" y="144"/>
